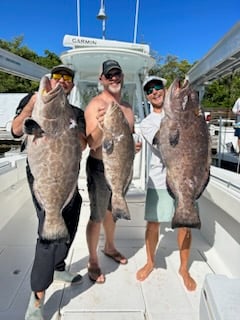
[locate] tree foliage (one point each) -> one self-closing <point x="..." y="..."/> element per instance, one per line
<point x="170" y="68"/>
<point x="220" y="94"/>
<point x="10" y="83"/>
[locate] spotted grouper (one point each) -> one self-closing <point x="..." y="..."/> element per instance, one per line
<point x="54" y="154"/>
<point x="184" y="143"/>
<point x="118" y="154"/>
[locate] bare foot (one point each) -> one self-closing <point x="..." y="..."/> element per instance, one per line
<point x="144" y="272"/>
<point x="189" y="282"/>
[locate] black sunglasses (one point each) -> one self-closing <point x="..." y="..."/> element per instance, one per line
<point x="109" y="76"/>
<point x="156" y="87"/>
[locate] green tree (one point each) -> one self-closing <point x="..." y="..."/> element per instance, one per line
<point x="10" y="83"/>
<point x="219" y="95"/>
<point x="222" y="93"/>
<point x="170" y="68"/>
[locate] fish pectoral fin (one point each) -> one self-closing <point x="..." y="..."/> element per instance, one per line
<point x="174" y="137"/>
<point x="155" y="141"/>
<point x="108" y="145"/>
<point x="31" y="127"/>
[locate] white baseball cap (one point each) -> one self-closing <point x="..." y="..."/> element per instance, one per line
<point x="154" y="78"/>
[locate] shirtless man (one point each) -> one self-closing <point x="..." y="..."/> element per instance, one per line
<point x="111" y="78"/>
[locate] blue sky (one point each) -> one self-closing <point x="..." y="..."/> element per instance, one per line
<point x="186" y="29"/>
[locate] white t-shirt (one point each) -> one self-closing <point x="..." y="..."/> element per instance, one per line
<point x="236" y="110"/>
<point x="157" y="171"/>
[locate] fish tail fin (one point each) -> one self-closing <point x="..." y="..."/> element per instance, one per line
<point x="120" y="208"/>
<point x="54" y="229"/>
<point x="186" y="218"/>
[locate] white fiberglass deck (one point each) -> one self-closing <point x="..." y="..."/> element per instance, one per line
<point x="161" y="296"/>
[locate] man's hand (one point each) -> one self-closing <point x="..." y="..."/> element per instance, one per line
<point x="100" y="116"/>
<point x="138" y="142"/>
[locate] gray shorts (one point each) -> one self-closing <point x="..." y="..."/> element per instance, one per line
<point x="159" y="206"/>
<point x="98" y="190"/>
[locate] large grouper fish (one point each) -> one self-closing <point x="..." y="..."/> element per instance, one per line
<point x="118" y="150"/>
<point x="184" y="143"/>
<point x="54" y="154"/>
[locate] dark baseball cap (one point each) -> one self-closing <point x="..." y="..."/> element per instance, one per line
<point x="109" y="65"/>
<point x="63" y="70"/>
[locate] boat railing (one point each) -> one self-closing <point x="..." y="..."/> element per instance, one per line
<point x="227" y="183"/>
<point x="225" y="153"/>
<point x="4" y="165"/>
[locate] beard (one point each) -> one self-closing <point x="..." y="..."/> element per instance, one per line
<point x="113" y="88"/>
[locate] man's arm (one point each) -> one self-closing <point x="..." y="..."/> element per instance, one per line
<point x="94" y="115"/>
<point x="17" y="123"/>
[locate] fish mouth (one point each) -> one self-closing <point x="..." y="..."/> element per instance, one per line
<point x="183" y="92"/>
<point x="178" y="86"/>
<point x="51" y="100"/>
<point x="46" y="89"/>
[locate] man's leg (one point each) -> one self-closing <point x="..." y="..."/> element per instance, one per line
<point x="35" y="306"/>
<point x="93" y="232"/>
<point x="71" y="215"/>
<point x="109" y="249"/>
<point x="184" y="244"/>
<point x="41" y="278"/>
<point x="39" y="282"/>
<point x="151" y="241"/>
<point x="99" y="196"/>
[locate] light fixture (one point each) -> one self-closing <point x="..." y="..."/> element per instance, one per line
<point x="102" y="16"/>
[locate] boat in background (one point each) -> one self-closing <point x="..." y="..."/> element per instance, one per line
<point x="225" y="151"/>
<point x="220" y="61"/>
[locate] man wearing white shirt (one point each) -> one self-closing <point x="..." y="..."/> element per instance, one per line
<point x="159" y="204"/>
<point x="236" y="110"/>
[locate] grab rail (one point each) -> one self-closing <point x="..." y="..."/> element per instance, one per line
<point x="227" y="183"/>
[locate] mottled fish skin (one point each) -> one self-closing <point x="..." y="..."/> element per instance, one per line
<point x="54" y="154"/>
<point x="184" y="143"/>
<point x="118" y="154"/>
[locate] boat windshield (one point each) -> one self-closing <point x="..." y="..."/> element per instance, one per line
<point x="131" y="93"/>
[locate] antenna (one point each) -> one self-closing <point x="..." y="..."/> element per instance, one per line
<point x="78" y="17"/>
<point x="136" y="22"/>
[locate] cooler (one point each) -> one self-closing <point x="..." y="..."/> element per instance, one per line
<point x="220" y="298"/>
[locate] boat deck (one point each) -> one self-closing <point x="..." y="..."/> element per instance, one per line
<point x="161" y="296"/>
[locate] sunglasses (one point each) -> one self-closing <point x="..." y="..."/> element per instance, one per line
<point x="66" y="77"/>
<point x="109" y="76"/>
<point x="156" y="87"/>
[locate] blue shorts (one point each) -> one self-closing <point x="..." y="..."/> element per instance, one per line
<point x="237" y="132"/>
<point x="159" y="206"/>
